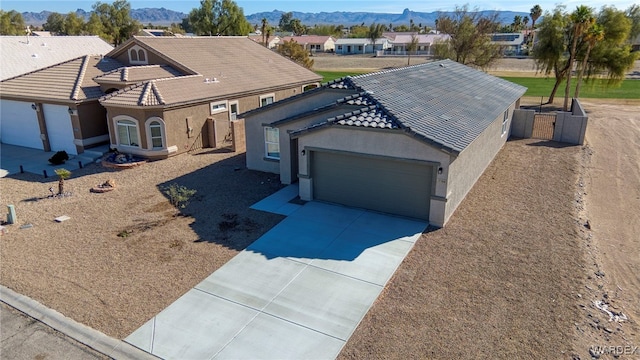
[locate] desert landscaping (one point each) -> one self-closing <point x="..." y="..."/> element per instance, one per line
<point x="543" y="246"/>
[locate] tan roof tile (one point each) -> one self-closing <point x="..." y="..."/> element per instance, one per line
<point x="70" y="80"/>
<point x="238" y="64"/>
<point x="132" y="74"/>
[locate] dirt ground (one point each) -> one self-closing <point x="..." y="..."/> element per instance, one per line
<point x="126" y="255"/>
<point x="513" y="275"/>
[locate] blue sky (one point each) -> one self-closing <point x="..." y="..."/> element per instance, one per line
<point x="254" y="6"/>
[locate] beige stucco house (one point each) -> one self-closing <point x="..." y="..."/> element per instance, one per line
<point x="313" y="43"/>
<point x="176" y="94"/>
<point x="409" y="141"/>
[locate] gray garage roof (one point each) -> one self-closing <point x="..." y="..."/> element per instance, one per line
<point x="442" y="102"/>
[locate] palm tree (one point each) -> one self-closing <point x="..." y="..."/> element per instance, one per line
<point x="412" y="47"/>
<point x="375" y="32"/>
<point x="264" y="28"/>
<point x="62" y="175"/>
<point x="581" y="19"/>
<point x="593" y="34"/>
<point x="535" y="14"/>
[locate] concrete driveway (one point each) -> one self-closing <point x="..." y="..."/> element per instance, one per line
<point x="298" y="292"/>
<point x="13" y="158"/>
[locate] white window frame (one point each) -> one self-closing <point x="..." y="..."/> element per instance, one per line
<point x="266" y="96"/>
<point x="218" y="107"/>
<point x="505" y="122"/>
<point x="138" y="50"/>
<point x="136" y="125"/>
<point x="267" y="142"/>
<point x="233" y="116"/>
<point x="150" y="136"/>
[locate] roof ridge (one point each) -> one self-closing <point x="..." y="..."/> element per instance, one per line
<point x="124" y="74"/>
<point x="157" y="93"/>
<point x="80" y="77"/>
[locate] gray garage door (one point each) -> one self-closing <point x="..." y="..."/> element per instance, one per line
<point x="391" y="186"/>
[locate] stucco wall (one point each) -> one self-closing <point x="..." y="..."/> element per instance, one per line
<point x="255" y="130"/>
<point x="93" y="120"/>
<point x="394" y="143"/>
<point x="466" y="168"/>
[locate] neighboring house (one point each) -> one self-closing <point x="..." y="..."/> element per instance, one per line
<point x="510" y="43"/>
<point x="272" y="41"/>
<point x="157" y="32"/>
<point x="410" y="141"/>
<point x="196" y="88"/>
<point x="22" y="54"/>
<point x="400" y="41"/>
<point x="348" y="46"/>
<point x="635" y="44"/>
<point x="56" y="108"/>
<point x="313" y="43"/>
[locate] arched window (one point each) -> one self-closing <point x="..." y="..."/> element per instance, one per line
<point x="155" y="130"/>
<point x="134" y="55"/>
<point x="141" y="55"/>
<point x="155" y="133"/>
<point x="127" y="133"/>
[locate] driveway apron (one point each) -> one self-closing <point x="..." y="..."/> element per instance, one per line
<point x="299" y="291"/>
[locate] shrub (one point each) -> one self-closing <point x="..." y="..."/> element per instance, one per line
<point x="59" y="158"/>
<point x="179" y="195"/>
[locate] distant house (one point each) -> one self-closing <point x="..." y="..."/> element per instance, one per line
<point x="56" y="108"/>
<point x="425" y="42"/>
<point x="313" y="43"/>
<point x="410" y="141"/>
<point x="510" y="43"/>
<point x="176" y="94"/>
<point x="22" y="54"/>
<point x="348" y="46"/>
<point x="272" y="42"/>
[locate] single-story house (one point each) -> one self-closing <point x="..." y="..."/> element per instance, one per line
<point x="179" y="93"/>
<point x="510" y="43"/>
<point x="400" y="41"/>
<point x="22" y="54"/>
<point x="272" y="42"/>
<point x="313" y="43"/>
<point x="56" y="108"/>
<point x="410" y="141"/>
<point x="347" y="46"/>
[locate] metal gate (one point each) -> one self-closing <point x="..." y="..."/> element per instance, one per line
<point x="543" y="126"/>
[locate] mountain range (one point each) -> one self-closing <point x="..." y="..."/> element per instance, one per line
<point x="162" y="16"/>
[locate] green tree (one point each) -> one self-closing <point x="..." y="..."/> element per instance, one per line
<point x="535" y="14"/>
<point x="297" y="27"/>
<point x="219" y="17"/>
<point x="374" y="33"/>
<point x="469" y="40"/>
<point x="580" y="20"/>
<point x="285" y="22"/>
<point x="73" y="24"/>
<point x="609" y="53"/>
<point x="295" y="52"/>
<point x="516" y="25"/>
<point x="593" y="35"/>
<point x="412" y="47"/>
<point x="116" y="20"/>
<point x="63" y="174"/>
<point x="11" y="23"/>
<point x="94" y="26"/>
<point x="55" y="23"/>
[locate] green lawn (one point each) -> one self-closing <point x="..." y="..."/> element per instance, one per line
<point x="628" y="89"/>
<point x="332" y="75"/>
<point x="595" y="89"/>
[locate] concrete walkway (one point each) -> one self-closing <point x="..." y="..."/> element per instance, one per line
<point x="37" y="161"/>
<point x="298" y="292"/>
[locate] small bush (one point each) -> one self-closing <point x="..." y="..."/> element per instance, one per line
<point x="179" y="195"/>
<point x="59" y="158"/>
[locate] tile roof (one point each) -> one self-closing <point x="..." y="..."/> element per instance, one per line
<point x="359" y="41"/>
<point x="19" y="57"/>
<point x="237" y="64"/>
<point x="442" y="103"/>
<point x="132" y="74"/>
<point x="308" y="39"/>
<point x="71" y="80"/>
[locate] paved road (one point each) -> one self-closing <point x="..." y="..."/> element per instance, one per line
<point x="25" y="338"/>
